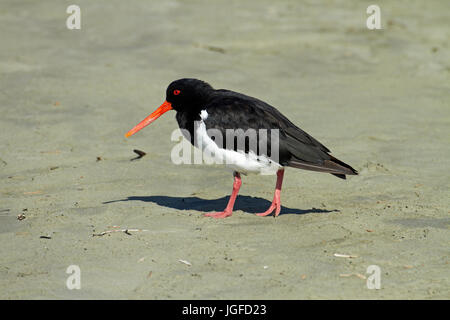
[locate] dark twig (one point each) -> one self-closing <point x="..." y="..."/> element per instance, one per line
<point x="139" y="153"/>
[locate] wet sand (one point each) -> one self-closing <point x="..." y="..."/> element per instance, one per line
<point x="380" y="100"/>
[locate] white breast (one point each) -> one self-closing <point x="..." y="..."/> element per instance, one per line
<point x="238" y="161"/>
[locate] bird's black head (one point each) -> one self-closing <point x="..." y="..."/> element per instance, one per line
<point x="183" y="95"/>
<point x="188" y="94"/>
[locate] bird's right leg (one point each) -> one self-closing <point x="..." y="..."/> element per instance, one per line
<point x="229" y="209"/>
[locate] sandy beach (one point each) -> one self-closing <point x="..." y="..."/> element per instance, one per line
<point x="379" y="99"/>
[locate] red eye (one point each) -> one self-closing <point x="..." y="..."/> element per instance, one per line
<point x="176" y="92"/>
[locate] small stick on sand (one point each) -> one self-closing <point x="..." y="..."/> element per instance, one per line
<point x="344" y="255"/>
<point x="33" y="192"/>
<point x="345" y="275"/>
<point x="127" y="231"/>
<point x="185" y="262"/>
<point x="359" y="275"/>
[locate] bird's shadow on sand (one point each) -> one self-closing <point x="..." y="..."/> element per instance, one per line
<point x="245" y="203"/>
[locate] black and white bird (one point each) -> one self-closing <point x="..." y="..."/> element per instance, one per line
<point x="262" y="140"/>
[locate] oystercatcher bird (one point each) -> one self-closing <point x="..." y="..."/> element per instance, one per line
<point x="217" y="120"/>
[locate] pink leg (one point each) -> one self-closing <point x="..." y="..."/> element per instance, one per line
<point x="276" y="203"/>
<point x="229" y="209"/>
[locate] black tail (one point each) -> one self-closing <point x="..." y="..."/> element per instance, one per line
<point x="334" y="166"/>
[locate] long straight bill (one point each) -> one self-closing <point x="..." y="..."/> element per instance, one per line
<point x="166" y="106"/>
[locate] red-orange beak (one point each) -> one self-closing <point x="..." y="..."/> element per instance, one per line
<point x="166" y="106"/>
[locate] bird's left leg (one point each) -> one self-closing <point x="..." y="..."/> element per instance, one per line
<point x="229" y="209"/>
<point x="276" y="203"/>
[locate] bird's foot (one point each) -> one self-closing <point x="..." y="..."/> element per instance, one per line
<point x="219" y="215"/>
<point x="274" y="206"/>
